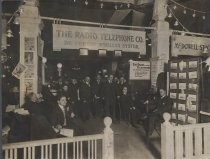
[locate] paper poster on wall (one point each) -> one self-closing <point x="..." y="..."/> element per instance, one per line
<point x="29" y="73"/>
<point x="173" y="75"/>
<point x="29" y="43"/>
<point x="182" y="76"/>
<point x="28" y="85"/>
<point x="18" y="71"/>
<point x="182" y="85"/>
<point x="29" y="58"/>
<point x="173" y="95"/>
<point x="173" y="65"/>
<point x="181" y="107"/>
<point x="193" y="75"/>
<point x="193" y="64"/>
<point x="181" y="117"/>
<point x="173" y="86"/>
<point x="139" y="70"/>
<point x="193" y="86"/>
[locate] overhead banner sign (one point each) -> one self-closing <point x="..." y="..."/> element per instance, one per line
<point x="139" y="70"/>
<point x="189" y="45"/>
<point x="95" y="38"/>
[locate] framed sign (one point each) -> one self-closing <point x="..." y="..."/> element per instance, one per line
<point x="189" y="45"/>
<point x="139" y="70"/>
<point x="95" y="38"/>
<point x="18" y="71"/>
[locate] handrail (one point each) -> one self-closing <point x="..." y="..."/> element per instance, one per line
<point x="52" y="141"/>
<point x="191" y="126"/>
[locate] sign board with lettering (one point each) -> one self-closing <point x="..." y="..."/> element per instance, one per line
<point x="139" y="70"/>
<point x="95" y="38"/>
<point x="189" y="45"/>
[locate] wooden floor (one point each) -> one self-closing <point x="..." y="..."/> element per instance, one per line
<point x="129" y="142"/>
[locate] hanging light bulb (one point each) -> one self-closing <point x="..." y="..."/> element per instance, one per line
<point x="204" y="17"/>
<point x="128" y="5"/>
<point x="174" y="7"/>
<point x="176" y="23"/>
<point x="194" y="14"/>
<point x="102" y="5"/>
<point x="20" y="9"/>
<point x="185" y="12"/>
<point x="74" y="0"/>
<point x="9" y="33"/>
<point x="86" y="2"/>
<point x="170" y="15"/>
<point x="139" y="56"/>
<point x="205" y="50"/>
<point x="115" y="7"/>
<point x="16" y="21"/>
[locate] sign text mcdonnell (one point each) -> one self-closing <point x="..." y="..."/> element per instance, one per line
<point x="188" y="45"/>
<point x="93" y="38"/>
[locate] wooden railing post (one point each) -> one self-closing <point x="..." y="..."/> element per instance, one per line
<point x="167" y="138"/>
<point x="108" y="141"/>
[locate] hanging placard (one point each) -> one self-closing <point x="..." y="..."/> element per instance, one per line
<point x="95" y="38"/>
<point x="189" y="45"/>
<point x="139" y="70"/>
<point x="18" y="71"/>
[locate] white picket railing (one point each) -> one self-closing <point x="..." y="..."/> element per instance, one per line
<point x="81" y="147"/>
<point x="184" y="141"/>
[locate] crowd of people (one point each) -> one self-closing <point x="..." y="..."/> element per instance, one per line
<point x="70" y="103"/>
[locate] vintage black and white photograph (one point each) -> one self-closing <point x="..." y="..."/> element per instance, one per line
<point x="18" y="70"/>
<point x="105" y="79"/>
<point x="29" y="44"/>
<point x="29" y="57"/>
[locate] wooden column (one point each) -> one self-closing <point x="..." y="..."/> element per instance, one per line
<point x="29" y="32"/>
<point x="160" y="39"/>
<point x="108" y="141"/>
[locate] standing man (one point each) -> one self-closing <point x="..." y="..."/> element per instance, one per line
<point x="109" y="96"/>
<point x="85" y="96"/>
<point x="97" y="91"/>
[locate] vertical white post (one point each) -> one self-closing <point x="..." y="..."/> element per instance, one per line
<point x="206" y="140"/>
<point x="29" y="32"/>
<point x="160" y="39"/>
<point x="108" y="140"/>
<point x="167" y="138"/>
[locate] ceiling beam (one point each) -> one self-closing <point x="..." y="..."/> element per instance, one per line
<point x="134" y="2"/>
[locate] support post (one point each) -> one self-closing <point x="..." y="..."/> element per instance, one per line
<point x="167" y="138"/>
<point x="108" y="141"/>
<point x="30" y="30"/>
<point x="160" y="40"/>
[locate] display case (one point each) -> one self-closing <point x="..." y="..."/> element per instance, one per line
<point x="184" y="89"/>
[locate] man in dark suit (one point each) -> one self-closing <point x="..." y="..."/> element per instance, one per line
<point x="97" y="91"/>
<point x="164" y="104"/>
<point x="85" y="97"/>
<point x="64" y="116"/>
<point x="109" y="96"/>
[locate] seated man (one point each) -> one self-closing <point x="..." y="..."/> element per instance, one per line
<point x="164" y="104"/>
<point x="64" y="117"/>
